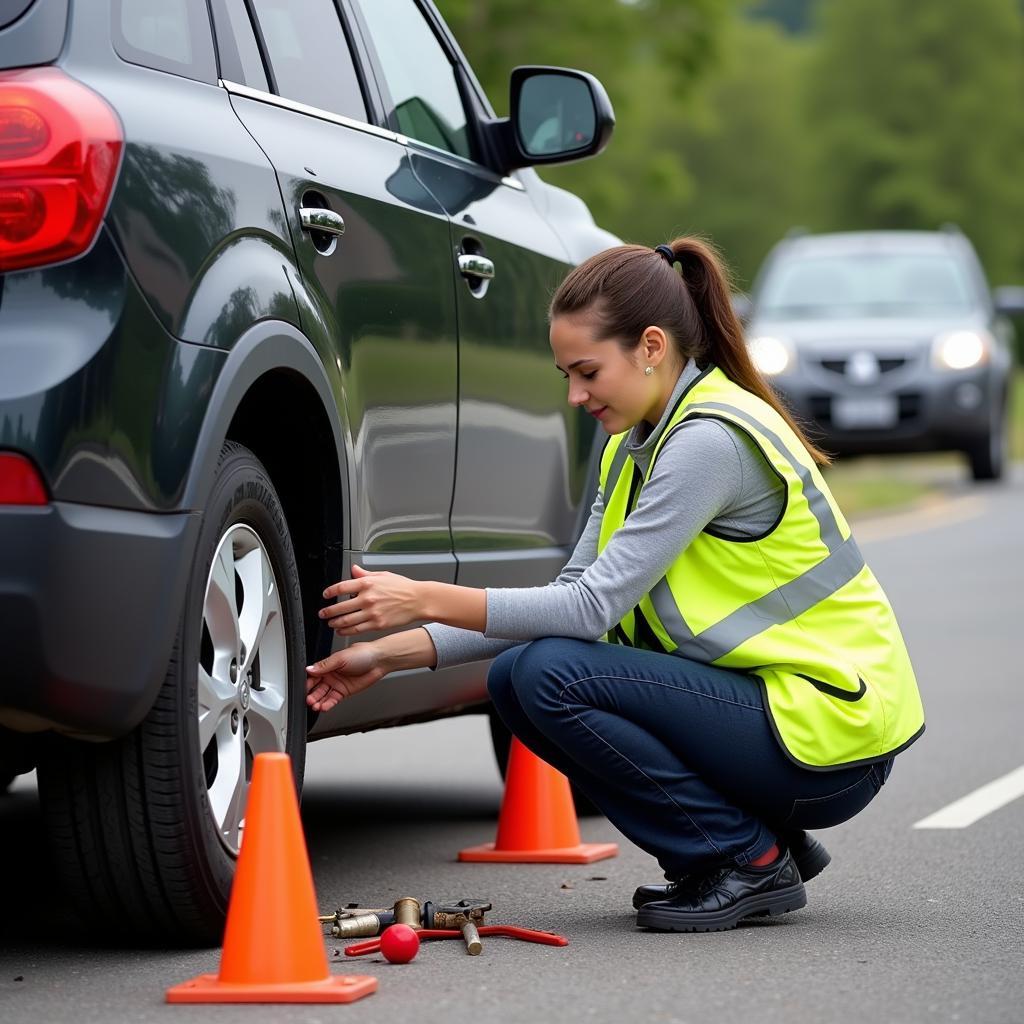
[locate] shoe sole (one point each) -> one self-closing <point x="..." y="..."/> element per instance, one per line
<point x="810" y="864"/>
<point x="770" y="904"/>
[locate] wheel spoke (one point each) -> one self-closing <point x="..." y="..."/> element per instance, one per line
<point x="221" y="609"/>
<point x="216" y="698"/>
<point x="261" y="605"/>
<point x="230" y="787"/>
<point x="268" y="720"/>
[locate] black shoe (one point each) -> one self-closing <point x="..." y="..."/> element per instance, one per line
<point x="810" y="857"/>
<point x="725" y="897"/>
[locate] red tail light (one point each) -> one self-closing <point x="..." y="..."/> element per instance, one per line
<point x="20" y="484"/>
<point x="60" y="145"/>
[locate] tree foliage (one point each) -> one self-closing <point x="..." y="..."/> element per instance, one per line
<point x="841" y="114"/>
<point x="745" y="144"/>
<point x="648" y="54"/>
<point x="918" y="113"/>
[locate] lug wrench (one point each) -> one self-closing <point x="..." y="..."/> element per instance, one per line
<point x="507" y="930"/>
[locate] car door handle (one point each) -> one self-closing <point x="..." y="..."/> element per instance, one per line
<point x="472" y="265"/>
<point x="317" y="218"/>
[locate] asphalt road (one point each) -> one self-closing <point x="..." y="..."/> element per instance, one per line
<point x="905" y="925"/>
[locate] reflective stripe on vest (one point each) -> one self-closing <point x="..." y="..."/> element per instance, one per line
<point x="775" y="608"/>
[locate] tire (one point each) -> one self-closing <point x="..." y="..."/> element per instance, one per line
<point x="501" y="738"/>
<point x="145" y="829"/>
<point x="987" y="455"/>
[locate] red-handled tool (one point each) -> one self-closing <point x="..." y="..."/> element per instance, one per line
<point x="507" y="930"/>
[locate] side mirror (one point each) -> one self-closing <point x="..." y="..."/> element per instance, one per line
<point x="557" y="115"/>
<point x="1009" y="300"/>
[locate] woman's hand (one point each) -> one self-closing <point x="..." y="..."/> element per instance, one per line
<point x="343" y="674"/>
<point x="374" y="601"/>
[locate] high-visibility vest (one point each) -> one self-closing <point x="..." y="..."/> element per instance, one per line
<point x="796" y="607"/>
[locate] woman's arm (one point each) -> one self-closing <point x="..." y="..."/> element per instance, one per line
<point x="358" y="667"/>
<point x="696" y="477"/>
<point x="372" y="601"/>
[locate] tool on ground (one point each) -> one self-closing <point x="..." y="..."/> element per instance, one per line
<point x="408" y="911"/>
<point x="507" y="930"/>
<point x="466" y="915"/>
<point x="399" y="943"/>
<point x="351" y="924"/>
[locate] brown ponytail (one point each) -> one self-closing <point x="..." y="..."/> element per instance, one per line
<point x="630" y="287"/>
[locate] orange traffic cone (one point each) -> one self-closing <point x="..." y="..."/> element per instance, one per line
<point x="273" y="946"/>
<point x="537" y="823"/>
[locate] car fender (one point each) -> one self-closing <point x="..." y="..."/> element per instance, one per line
<point x="265" y="347"/>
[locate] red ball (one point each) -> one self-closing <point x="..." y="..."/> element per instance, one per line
<point x="399" y="943"/>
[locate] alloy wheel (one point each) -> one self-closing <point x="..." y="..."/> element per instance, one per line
<point x="242" y="675"/>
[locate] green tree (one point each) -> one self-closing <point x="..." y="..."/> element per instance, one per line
<point x="795" y="15"/>
<point x="746" y="146"/>
<point x="918" y="110"/>
<point x="647" y="53"/>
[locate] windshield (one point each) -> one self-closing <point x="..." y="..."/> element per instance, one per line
<point x="865" y="284"/>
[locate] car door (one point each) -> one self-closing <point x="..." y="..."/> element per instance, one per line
<point x="522" y="452"/>
<point x="373" y="247"/>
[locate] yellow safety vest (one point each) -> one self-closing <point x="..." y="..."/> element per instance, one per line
<point x="796" y="607"/>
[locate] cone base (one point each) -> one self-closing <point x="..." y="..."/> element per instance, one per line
<point x="338" y="988"/>
<point x="585" y="853"/>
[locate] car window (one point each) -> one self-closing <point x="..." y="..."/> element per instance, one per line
<point x="240" y="59"/>
<point x="309" y="55"/>
<point x="418" y="74"/>
<point x="168" y="35"/>
<point x="869" y="283"/>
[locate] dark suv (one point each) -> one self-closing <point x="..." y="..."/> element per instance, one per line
<point x="273" y="280"/>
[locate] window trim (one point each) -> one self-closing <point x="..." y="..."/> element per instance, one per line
<point x="230" y="45"/>
<point x="455" y="59"/>
<point x="237" y="89"/>
<point x="274" y="100"/>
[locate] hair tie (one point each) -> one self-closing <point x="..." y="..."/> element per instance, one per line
<point x="666" y="251"/>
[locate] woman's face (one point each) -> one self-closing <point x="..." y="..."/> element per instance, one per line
<point x="607" y="381"/>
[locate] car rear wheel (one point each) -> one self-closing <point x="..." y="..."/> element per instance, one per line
<point x="987" y="455"/>
<point x="146" y="829"/>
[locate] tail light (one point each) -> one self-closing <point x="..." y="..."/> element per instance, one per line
<point x="60" y="145"/>
<point x="20" y="484"/>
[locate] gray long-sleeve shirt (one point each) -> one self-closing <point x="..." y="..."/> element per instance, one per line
<point x="707" y="473"/>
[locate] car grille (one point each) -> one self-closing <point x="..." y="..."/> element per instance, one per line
<point x="909" y="407"/>
<point x="884" y="365"/>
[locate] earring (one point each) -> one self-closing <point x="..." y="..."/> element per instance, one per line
<point x="648" y="370"/>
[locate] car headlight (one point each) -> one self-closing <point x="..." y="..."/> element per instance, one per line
<point x="771" y="355"/>
<point x="961" y="350"/>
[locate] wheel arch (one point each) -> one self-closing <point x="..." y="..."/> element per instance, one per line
<point x="273" y="396"/>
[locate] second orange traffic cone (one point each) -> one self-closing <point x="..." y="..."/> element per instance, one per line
<point x="537" y="823"/>
<point x="273" y="945"/>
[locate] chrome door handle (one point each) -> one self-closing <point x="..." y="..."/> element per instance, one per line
<point x="317" y="218"/>
<point x="472" y="265"/>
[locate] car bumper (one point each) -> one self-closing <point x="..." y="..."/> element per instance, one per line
<point x="937" y="412"/>
<point x="90" y="603"/>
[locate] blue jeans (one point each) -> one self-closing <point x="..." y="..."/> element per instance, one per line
<point x="679" y="755"/>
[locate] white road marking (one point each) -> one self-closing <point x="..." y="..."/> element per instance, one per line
<point x="969" y="809"/>
<point x="927" y="516"/>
